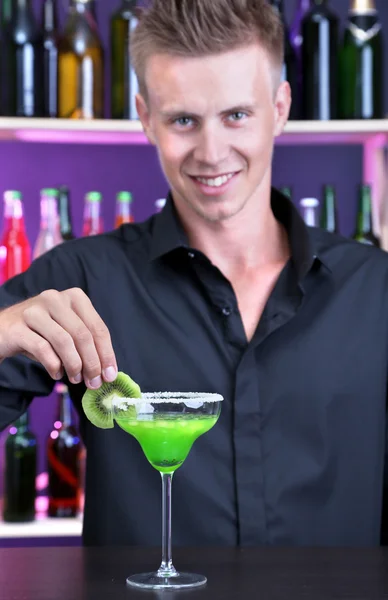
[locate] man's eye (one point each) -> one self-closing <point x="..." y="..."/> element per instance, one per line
<point x="183" y="121"/>
<point x="238" y="116"/>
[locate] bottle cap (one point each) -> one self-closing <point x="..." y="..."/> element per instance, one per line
<point x="125" y="197"/>
<point x="12" y="195"/>
<point x="93" y="197"/>
<point x="51" y="192"/>
<point x="309" y="203"/>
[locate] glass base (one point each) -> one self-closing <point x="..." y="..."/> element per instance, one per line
<point x="151" y="581"/>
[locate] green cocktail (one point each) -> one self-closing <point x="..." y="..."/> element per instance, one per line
<point x="166" y="439"/>
<point x="166" y="425"/>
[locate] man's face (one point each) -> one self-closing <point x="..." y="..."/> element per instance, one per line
<point x="213" y="120"/>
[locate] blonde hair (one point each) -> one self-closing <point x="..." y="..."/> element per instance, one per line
<point x="204" y="27"/>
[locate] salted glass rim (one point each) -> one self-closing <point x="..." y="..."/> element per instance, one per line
<point x="168" y="397"/>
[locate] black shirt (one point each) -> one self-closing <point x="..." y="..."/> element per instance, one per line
<point x="297" y="457"/>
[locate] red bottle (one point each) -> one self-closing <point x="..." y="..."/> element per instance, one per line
<point x="15" y="249"/>
<point x="93" y="223"/>
<point x="123" y="209"/>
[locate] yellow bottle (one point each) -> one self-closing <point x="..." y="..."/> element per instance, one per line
<point x="81" y="65"/>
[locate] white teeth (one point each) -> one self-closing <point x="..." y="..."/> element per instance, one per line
<point x="217" y="182"/>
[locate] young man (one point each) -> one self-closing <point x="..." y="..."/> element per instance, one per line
<point x="225" y="291"/>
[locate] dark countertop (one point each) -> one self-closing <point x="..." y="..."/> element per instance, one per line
<point x="233" y="574"/>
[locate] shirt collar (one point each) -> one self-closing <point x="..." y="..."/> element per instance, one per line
<point x="168" y="234"/>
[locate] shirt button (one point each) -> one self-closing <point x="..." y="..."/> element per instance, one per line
<point x="226" y="311"/>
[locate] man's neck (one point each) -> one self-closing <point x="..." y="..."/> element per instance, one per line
<point x="243" y="244"/>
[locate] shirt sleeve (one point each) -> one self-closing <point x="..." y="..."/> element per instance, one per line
<point x="21" y="379"/>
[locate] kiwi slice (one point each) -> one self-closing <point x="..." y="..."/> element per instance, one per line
<point x="97" y="404"/>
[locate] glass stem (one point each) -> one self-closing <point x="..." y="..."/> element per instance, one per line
<point x="166" y="568"/>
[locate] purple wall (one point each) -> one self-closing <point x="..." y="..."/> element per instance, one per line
<point x="30" y="167"/>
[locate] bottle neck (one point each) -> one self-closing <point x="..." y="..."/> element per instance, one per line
<point x="364" y="221"/>
<point x="362" y="6"/>
<point x="22" y="5"/>
<point x="22" y="423"/>
<point x="48" y="214"/>
<point x="50" y="16"/>
<point x="13" y="214"/>
<point x="329" y="216"/>
<point x="92" y="218"/>
<point x="6" y="10"/>
<point x="65" y="415"/>
<point x="65" y="220"/>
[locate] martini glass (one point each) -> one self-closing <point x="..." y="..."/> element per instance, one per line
<point x="166" y="425"/>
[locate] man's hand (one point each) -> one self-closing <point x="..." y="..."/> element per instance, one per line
<point x="63" y="332"/>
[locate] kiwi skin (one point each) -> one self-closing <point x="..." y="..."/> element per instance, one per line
<point x="97" y="404"/>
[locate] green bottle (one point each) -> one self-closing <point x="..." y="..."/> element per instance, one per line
<point x="320" y="62"/>
<point x="329" y="215"/>
<point x="124" y="86"/>
<point x="364" y="229"/>
<point x="20" y="473"/>
<point x="361" y="64"/>
<point x="5" y="12"/>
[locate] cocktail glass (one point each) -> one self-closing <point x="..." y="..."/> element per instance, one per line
<point x="166" y="425"/>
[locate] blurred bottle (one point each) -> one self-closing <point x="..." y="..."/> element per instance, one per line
<point x="22" y="63"/>
<point x="286" y="190"/>
<point x="63" y="456"/>
<point x="123" y="209"/>
<point x="124" y="86"/>
<point x="15" y="249"/>
<point x="50" y="57"/>
<point x="20" y="471"/>
<point x="5" y="13"/>
<point x="65" y="220"/>
<point x="49" y="232"/>
<point x="361" y="80"/>
<point x="81" y="66"/>
<point x="290" y="65"/>
<point x="93" y="222"/>
<point x="296" y="36"/>
<point x="329" y="215"/>
<point x="309" y="211"/>
<point x="364" y="228"/>
<point x="160" y="204"/>
<point x="296" y="40"/>
<point x="319" y="62"/>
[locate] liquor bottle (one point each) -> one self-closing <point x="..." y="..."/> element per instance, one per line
<point x="286" y="190"/>
<point x="361" y="64"/>
<point x="63" y="456"/>
<point x="50" y="57"/>
<point x="15" y="247"/>
<point x="319" y="62"/>
<point x="160" y="204"/>
<point x="93" y="223"/>
<point x="290" y="65"/>
<point x="364" y="228"/>
<point x="81" y="66"/>
<point x="123" y="209"/>
<point x="49" y="232"/>
<point x="65" y="221"/>
<point x="124" y="86"/>
<point x="329" y="215"/>
<point x="5" y="13"/>
<point x="22" y="49"/>
<point x="309" y="211"/>
<point x="20" y="472"/>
